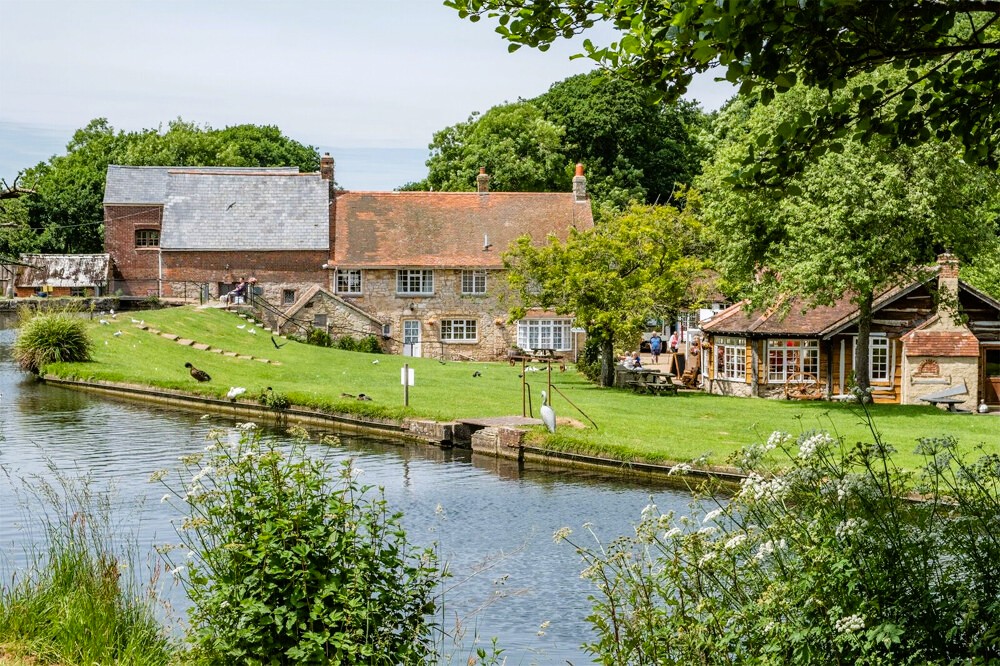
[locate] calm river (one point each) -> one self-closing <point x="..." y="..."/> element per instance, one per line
<point x="486" y="516"/>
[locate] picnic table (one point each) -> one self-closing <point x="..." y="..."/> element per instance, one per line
<point x="954" y="395"/>
<point x="642" y="380"/>
<point x="541" y="355"/>
<point x="949" y="402"/>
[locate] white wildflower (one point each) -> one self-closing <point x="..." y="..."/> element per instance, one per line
<point x="164" y="498"/>
<point x="850" y="623"/>
<point x="711" y="515"/>
<point x="768" y="548"/>
<point x="706" y="558"/>
<point x="708" y="531"/>
<point x="683" y="468"/>
<point x="648" y="511"/>
<point x="815" y="442"/>
<point x="670" y="534"/>
<point x="735" y="541"/>
<point x="561" y="534"/>
<point x="849" y="527"/>
<point x="776" y="439"/>
<point x="249" y="425"/>
<point x="177" y="571"/>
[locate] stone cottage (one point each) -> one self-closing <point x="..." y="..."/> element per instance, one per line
<point x="936" y="334"/>
<point x="61" y="275"/>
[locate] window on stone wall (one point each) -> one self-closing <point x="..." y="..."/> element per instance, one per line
<point x="147" y="238"/>
<point x="473" y="282"/>
<point x="319" y="321"/>
<point x="458" y="330"/>
<point x="386" y="330"/>
<point x="414" y="281"/>
<point x="287" y="296"/>
<point x="348" y="281"/>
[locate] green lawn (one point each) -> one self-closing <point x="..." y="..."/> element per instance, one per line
<point x="630" y="427"/>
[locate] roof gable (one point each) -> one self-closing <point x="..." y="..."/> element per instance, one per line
<point x="448" y="229"/>
<point x="245" y="211"/>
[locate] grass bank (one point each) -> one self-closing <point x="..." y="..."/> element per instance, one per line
<point x="630" y="427"/>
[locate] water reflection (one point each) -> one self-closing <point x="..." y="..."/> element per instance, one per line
<point x="491" y="519"/>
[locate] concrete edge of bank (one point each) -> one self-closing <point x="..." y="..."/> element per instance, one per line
<point x="507" y="442"/>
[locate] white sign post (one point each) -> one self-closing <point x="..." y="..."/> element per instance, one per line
<point x="406" y="379"/>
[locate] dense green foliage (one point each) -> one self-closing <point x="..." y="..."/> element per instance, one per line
<point x="66" y="212"/>
<point x="633" y="265"/>
<point x="368" y="344"/>
<point x="852" y="223"/>
<point x="949" y="53"/>
<point x="51" y="337"/>
<point x="77" y="603"/>
<point x="822" y="557"/>
<point x="288" y="562"/>
<point x="632" y="150"/>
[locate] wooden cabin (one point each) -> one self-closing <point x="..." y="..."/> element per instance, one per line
<point x="935" y="334"/>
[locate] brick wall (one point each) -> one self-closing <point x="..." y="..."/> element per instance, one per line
<point x="133" y="270"/>
<point x="275" y="270"/>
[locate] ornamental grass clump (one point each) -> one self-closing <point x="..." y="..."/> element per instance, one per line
<point x="827" y="554"/>
<point x="51" y="337"/>
<point x="289" y="561"/>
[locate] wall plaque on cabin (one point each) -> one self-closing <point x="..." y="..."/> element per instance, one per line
<point x="928" y="368"/>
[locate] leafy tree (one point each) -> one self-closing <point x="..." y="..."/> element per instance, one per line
<point x="66" y="212"/>
<point x="949" y="51"/>
<point x="521" y="150"/>
<point x="851" y="223"/>
<point x="821" y="557"/>
<point x="983" y="272"/>
<point x="632" y="265"/>
<point x="633" y="150"/>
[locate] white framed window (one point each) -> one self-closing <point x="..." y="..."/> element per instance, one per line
<point x="348" y="281"/>
<point x="414" y="281"/>
<point x="473" y="282"/>
<point x="544" y="334"/>
<point x="731" y="359"/>
<point x="459" y="330"/>
<point x="878" y="359"/>
<point x="787" y="357"/>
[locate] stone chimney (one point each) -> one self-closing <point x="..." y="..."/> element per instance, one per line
<point x="579" y="185"/>
<point x="483" y="181"/>
<point x="326" y="167"/>
<point x="948" y="286"/>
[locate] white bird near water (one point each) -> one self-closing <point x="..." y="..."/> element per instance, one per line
<point x="103" y="322"/>
<point x="548" y="414"/>
<point x="252" y="331"/>
<point x="116" y="333"/>
<point x="235" y="392"/>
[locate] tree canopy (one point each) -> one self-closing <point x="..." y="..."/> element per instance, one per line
<point x="948" y="50"/>
<point x="65" y="212"/>
<point x="851" y="223"/>
<point x="634" y="264"/>
<point x="632" y="150"/>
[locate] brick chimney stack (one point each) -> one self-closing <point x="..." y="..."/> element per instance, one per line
<point x="948" y="286"/>
<point x="326" y="167"/>
<point x="579" y="185"/>
<point x="483" y="181"/>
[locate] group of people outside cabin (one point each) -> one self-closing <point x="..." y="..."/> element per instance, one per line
<point x="633" y="361"/>
<point x="238" y="294"/>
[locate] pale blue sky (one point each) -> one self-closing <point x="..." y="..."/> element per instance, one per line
<point x="356" y="77"/>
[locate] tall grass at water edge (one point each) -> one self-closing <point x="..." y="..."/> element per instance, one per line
<point x="77" y="600"/>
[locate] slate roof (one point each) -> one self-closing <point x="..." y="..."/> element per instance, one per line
<point x="257" y="210"/>
<point x="148" y="184"/>
<point x="947" y="343"/>
<point x="447" y="229"/>
<point x="63" y="270"/>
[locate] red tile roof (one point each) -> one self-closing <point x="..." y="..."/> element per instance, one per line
<point x="936" y="342"/>
<point x="447" y="229"/>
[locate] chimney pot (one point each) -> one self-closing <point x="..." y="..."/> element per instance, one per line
<point x="579" y="185"/>
<point x="483" y="181"/>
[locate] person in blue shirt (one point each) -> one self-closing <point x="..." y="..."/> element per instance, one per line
<point x="655" y="344"/>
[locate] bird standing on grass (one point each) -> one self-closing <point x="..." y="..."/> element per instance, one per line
<point x="548" y="414"/>
<point x="200" y="375"/>
<point x="235" y="392"/>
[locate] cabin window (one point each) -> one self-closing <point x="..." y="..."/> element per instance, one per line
<point x="348" y="281"/>
<point x="287" y="296"/>
<point x="147" y="238"/>
<point x="878" y="359"/>
<point x="731" y="359"/>
<point x="544" y="334"/>
<point x="319" y="321"/>
<point x="473" y="282"/>
<point x="788" y="357"/>
<point x="458" y="330"/>
<point x="77" y="291"/>
<point x="415" y="281"/>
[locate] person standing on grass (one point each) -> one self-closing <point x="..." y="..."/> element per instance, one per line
<point x="655" y="343"/>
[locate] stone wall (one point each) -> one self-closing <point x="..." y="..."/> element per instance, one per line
<point x="923" y="375"/>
